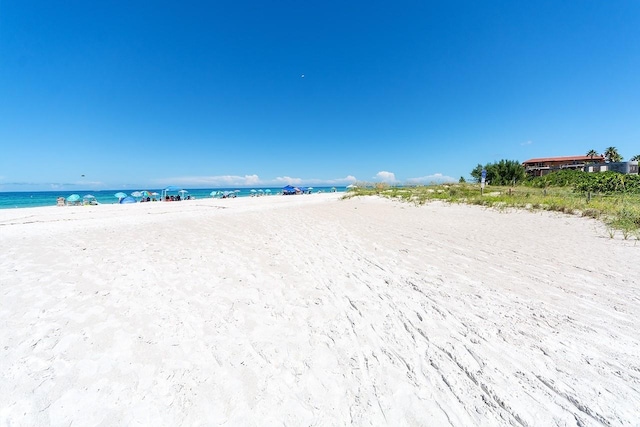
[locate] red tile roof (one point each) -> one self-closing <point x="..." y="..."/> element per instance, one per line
<point x="564" y="159"/>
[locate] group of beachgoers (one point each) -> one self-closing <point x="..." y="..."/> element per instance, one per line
<point x="177" y="198"/>
<point x="75" y="200"/>
<point x="145" y="196"/>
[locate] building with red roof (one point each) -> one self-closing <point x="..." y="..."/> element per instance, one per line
<point x="544" y="165"/>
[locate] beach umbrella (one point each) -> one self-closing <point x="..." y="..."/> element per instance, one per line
<point x="145" y="193"/>
<point x="136" y="194"/>
<point x="236" y="191"/>
<point x="183" y="191"/>
<point x="267" y="191"/>
<point x="252" y="191"/>
<point x="155" y="194"/>
<point x="120" y="195"/>
<point x="214" y="193"/>
<point x="73" y="198"/>
<point x="127" y="200"/>
<point x="88" y="196"/>
<point x="261" y="191"/>
<point x="168" y="189"/>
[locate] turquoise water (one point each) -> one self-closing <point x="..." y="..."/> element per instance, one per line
<point x="10" y="200"/>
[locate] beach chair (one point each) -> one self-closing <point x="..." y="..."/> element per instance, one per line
<point x="60" y="201"/>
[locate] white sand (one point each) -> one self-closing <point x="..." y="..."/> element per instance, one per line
<point x="309" y="310"/>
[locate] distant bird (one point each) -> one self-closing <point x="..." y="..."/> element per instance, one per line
<point x="82" y="175"/>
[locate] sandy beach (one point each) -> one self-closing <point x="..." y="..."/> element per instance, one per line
<point x="313" y="310"/>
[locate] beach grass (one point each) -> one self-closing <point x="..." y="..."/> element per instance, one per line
<point x="619" y="212"/>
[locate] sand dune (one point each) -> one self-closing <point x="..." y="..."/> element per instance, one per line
<point x="311" y="310"/>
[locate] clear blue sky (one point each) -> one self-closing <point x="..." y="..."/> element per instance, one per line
<point x="135" y="94"/>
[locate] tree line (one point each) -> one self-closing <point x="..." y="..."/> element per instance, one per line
<point x="504" y="172"/>
<point x="511" y="172"/>
<point x="611" y="154"/>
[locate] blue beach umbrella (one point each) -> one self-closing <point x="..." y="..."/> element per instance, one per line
<point x="73" y="198"/>
<point x="128" y="200"/>
<point x="120" y="195"/>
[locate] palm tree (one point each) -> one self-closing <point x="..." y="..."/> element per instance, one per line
<point x="612" y="154"/>
<point x="636" y="158"/>
<point x="592" y="153"/>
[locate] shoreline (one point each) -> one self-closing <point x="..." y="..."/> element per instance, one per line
<point x="30" y="199"/>
<point x="97" y="212"/>
<point x="312" y="309"/>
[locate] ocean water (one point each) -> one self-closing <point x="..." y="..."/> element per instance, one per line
<point x="24" y="199"/>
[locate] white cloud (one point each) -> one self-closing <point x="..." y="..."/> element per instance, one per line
<point x="212" y="181"/>
<point x="385" y="176"/>
<point x="88" y="184"/>
<point x="526" y="142"/>
<point x="349" y="179"/>
<point x="250" y="180"/>
<point x="288" y="180"/>
<point x="436" y="178"/>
